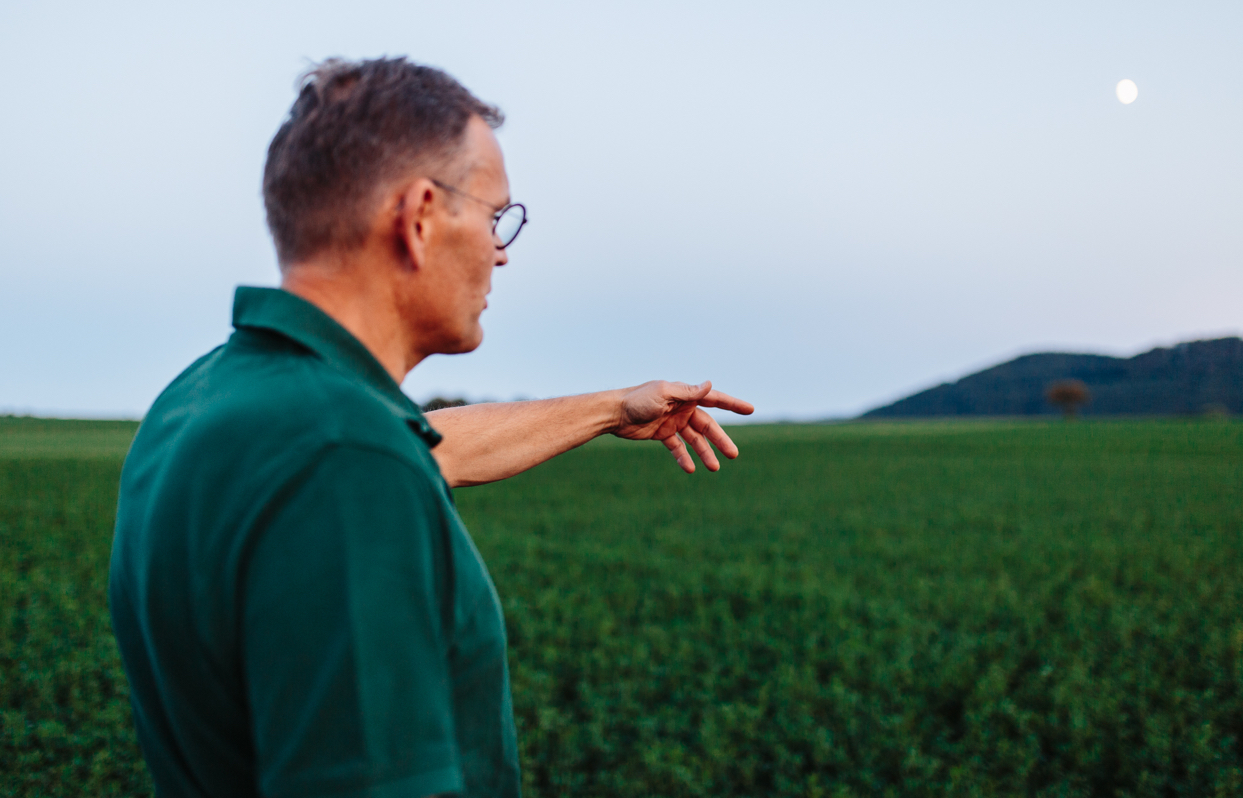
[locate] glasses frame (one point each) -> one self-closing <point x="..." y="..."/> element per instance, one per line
<point x="496" y="214"/>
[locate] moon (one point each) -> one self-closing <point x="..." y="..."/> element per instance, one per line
<point x="1127" y="91"/>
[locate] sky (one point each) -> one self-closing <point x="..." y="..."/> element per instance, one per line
<point x="821" y="207"/>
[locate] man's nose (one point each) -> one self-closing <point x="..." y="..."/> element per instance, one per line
<point x="502" y="257"/>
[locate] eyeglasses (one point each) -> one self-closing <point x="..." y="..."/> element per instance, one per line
<point x="507" y="222"/>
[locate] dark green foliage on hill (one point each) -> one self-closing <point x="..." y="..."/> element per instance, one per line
<point x="440" y="403"/>
<point x="1191" y="378"/>
<point x="874" y="609"/>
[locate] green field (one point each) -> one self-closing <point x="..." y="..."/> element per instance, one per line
<point x="966" y="608"/>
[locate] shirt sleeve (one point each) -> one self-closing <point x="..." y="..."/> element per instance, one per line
<point x="346" y="609"/>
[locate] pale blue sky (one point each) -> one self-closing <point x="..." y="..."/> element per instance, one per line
<point x="819" y="206"/>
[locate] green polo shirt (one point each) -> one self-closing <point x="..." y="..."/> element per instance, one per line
<point x="298" y="605"/>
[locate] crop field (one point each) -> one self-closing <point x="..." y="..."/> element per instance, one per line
<point x="905" y="609"/>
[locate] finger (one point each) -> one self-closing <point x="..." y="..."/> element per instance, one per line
<point x="678" y="450"/>
<point x="685" y="392"/>
<point x="706" y="425"/>
<point x="701" y="446"/>
<point x="726" y="402"/>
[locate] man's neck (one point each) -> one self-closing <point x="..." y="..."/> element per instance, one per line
<point x="359" y="302"/>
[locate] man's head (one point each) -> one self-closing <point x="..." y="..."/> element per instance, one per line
<point x="389" y="172"/>
<point x="355" y="129"/>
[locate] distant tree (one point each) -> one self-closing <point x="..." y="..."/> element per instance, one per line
<point x="1215" y="412"/>
<point x="440" y="403"/>
<point x="1069" y="395"/>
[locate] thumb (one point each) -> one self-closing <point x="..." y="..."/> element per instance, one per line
<point x="690" y="393"/>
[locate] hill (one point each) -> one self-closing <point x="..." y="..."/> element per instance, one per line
<point x="1189" y="378"/>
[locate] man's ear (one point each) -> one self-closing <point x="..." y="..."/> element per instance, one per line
<point x="414" y="217"/>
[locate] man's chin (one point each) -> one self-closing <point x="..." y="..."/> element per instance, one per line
<point x="465" y="344"/>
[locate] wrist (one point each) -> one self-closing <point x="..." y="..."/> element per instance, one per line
<point x="612" y="410"/>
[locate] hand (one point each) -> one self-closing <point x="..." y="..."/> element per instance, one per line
<point x="663" y="411"/>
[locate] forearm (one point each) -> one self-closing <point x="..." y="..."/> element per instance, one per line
<point x="487" y="442"/>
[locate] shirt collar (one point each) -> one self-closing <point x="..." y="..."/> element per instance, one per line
<point x="295" y="318"/>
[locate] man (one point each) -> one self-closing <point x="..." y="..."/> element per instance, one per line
<point x="298" y="606"/>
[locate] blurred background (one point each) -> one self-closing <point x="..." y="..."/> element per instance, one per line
<point x="821" y="207"/>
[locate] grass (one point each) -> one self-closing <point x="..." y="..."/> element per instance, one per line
<point x="956" y="608"/>
<point x="65" y="726"/>
<point x="23" y="438"/>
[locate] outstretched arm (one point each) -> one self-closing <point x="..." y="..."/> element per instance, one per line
<point x="487" y="442"/>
